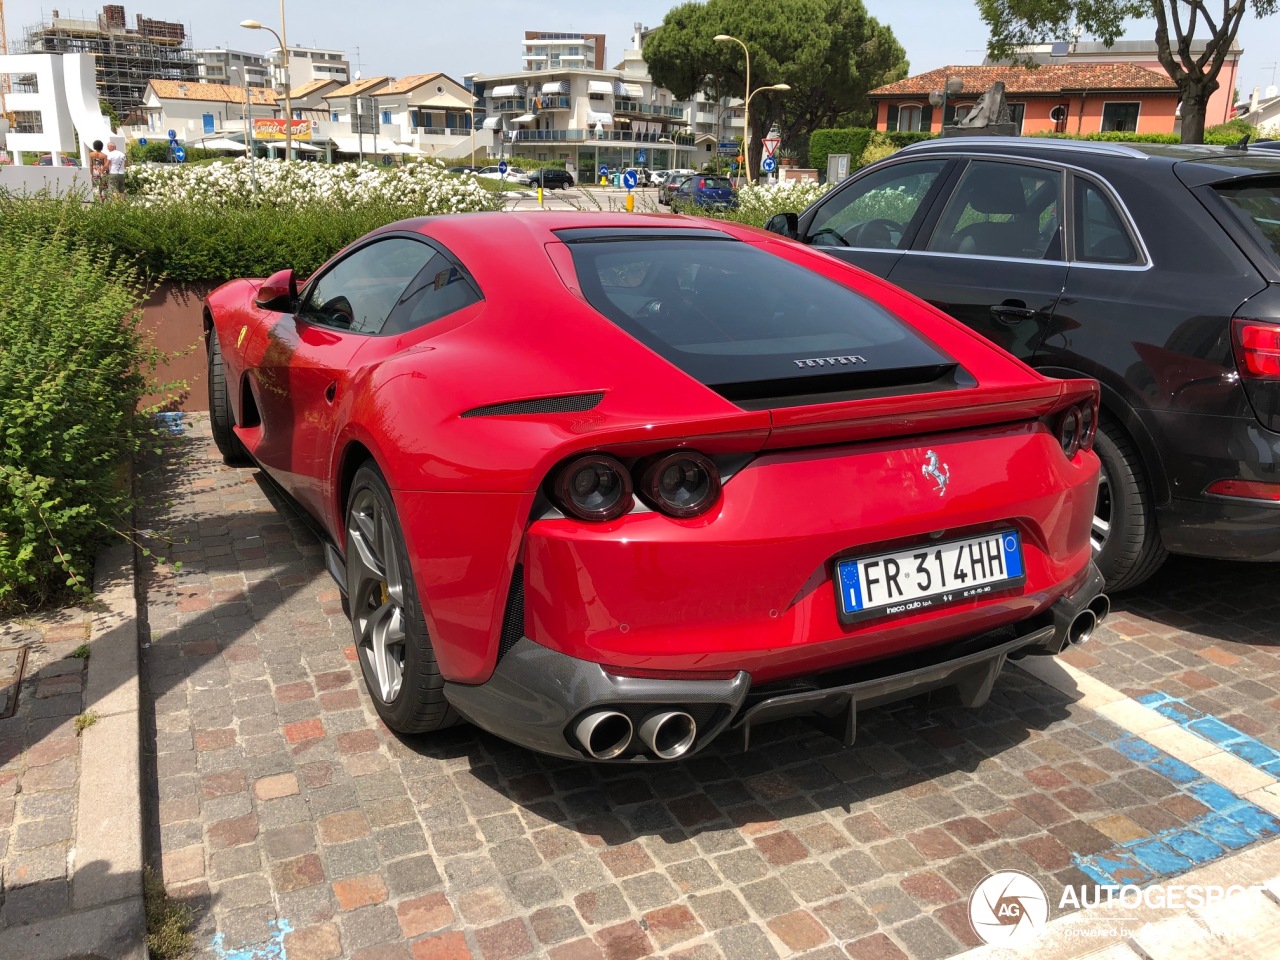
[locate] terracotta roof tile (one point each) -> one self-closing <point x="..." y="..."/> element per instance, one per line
<point x="215" y="92"/>
<point x="309" y="88"/>
<point x="358" y="87"/>
<point x="1052" y="78"/>
<point x="408" y="83"/>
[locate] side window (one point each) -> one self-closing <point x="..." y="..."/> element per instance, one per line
<point x="874" y="210"/>
<point x="1100" y="234"/>
<point x="439" y="290"/>
<point x="1002" y="210"/>
<point x="359" y="292"/>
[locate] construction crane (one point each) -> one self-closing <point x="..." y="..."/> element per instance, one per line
<point x="4" y="77"/>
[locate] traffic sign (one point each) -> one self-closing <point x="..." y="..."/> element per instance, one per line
<point x="768" y="165"/>
<point x="604" y="170"/>
<point x="142" y="141"/>
<point x="502" y="167"/>
<point x="179" y="154"/>
<point x="641" y="157"/>
<point x="173" y="134"/>
<point x="770" y="144"/>
<point x="727" y="148"/>
<point x="629" y="179"/>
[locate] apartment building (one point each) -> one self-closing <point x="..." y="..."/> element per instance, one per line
<point x="545" y="50"/>
<point x="307" y="64"/>
<point x="219" y="65"/>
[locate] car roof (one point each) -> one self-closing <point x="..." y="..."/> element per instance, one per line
<point x="1199" y="163"/>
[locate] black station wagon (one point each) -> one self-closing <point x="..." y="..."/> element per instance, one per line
<point x="1154" y="269"/>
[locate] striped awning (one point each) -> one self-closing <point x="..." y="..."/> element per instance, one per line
<point x="492" y="123"/>
<point x="556" y="88"/>
<point x="632" y="91"/>
<point x="527" y="118"/>
<point x="507" y="90"/>
<point x="593" y="117"/>
<point x="599" y="86"/>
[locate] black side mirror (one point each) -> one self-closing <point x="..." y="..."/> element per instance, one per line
<point x="279" y="292"/>
<point x="785" y="224"/>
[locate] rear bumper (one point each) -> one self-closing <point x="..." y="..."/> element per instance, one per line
<point x="1222" y="528"/>
<point x="536" y="695"/>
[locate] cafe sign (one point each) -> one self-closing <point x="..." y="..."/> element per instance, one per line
<point x="272" y="128"/>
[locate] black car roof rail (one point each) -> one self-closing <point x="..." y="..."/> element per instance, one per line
<point x="1034" y="143"/>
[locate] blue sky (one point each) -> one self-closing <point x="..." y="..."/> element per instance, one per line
<point x="400" y="37"/>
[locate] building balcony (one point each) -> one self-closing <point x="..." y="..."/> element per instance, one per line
<point x="519" y="105"/>
<point x="648" y="110"/>
<point x="604" y="136"/>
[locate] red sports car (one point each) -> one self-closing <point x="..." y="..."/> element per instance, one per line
<point x="610" y="486"/>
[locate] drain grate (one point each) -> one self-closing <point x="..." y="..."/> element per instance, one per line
<point x="13" y="661"/>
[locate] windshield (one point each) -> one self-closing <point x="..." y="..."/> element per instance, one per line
<point x="1256" y="204"/>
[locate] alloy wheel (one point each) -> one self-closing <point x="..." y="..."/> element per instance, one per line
<point x="375" y="587"/>
<point x="1101" y="514"/>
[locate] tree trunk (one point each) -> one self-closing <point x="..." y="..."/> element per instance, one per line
<point x="1195" y="102"/>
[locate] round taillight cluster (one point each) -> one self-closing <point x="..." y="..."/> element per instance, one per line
<point x="1077" y="426"/>
<point x="599" y="487"/>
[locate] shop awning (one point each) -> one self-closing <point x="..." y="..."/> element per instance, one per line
<point x="632" y="91"/>
<point x="507" y="90"/>
<point x="371" y="144"/>
<point x="599" y="86"/>
<point x="556" y="88"/>
<point x="492" y="123"/>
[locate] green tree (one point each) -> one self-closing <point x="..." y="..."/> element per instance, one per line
<point x="109" y="112"/>
<point x="1019" y="23"/>
<point x="830" y="52"/>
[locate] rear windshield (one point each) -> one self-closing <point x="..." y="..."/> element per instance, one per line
<point x="714" y="183"/>
<point x="1256" y="203"/>
<point x="730" y="314"/>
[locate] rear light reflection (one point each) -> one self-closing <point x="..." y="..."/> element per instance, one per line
<point x="643" y="673"/>
<point x="1246" y="489"/>
<point x="1257" y="348"/>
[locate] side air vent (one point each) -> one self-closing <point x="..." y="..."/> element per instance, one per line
<point x="513" y="616"/>
<point x="574" y="403"/>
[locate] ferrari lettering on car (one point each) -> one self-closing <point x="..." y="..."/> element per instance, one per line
<point x="644" y="482"/>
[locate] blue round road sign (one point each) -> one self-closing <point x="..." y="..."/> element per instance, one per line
<point x="173" y="134"/>
<point x="768" y="165"/>
<point x="502" y="166"/>
<point x="142" y="141"/>
<point x="629" y="179"/>
<point x="604" y="170"/>
<point x="179" y="154"/>
<point x="641" y="157"/>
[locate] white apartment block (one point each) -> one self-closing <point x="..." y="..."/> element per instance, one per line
<point x="307" y="64"/>
<point x="548" y="50"/>
<point x="219" y="65"/>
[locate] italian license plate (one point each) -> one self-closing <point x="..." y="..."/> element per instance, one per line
<point x="925" y="576"/>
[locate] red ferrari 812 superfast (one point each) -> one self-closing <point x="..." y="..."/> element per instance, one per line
<point x="613" y="486"/>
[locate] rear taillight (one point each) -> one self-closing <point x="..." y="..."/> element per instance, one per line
<point x="1246" y="489"/>
<point x="1257" y="348"/>
<point x="595" y="487"/>
<point x="680" y="484"/>
<point x="1076" y="427"/>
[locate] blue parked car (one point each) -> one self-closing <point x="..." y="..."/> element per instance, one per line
<point x="705" y="190"/>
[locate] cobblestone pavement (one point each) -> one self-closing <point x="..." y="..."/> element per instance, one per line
<point x="287" y="815"/>
<point x="39" y="761"/>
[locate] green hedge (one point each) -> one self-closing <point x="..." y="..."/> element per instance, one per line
<point x="73" y="368"/>
<point x="854" y="141"/>
<point x="157" y="151"/>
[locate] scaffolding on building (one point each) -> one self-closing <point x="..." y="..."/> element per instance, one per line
<point x="125" y="57"/>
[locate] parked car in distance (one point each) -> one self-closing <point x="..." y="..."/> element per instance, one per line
<point x="65" y="160"/>
<point x="462" y="169"/>
<point x="668" y="187"/>
<point x="551" y="178"/>
<point x="792" y="489"/>
<point x="513" y="174"/>
<point x="705" y="190"/>
<point x="644" y="176"/>
<point x="1153" y="268"/>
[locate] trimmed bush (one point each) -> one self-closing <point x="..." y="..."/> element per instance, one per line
<point x="73" y="368"/>
<point x="854" y="141"/>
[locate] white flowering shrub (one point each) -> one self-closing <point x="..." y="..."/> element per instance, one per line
<point x="423" y="187"/>
<point x="757" y="202"/>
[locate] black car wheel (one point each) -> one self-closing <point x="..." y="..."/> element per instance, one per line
<point x="1126" y="543"/>
<point x="396" y="657"/>
<point x="221" y="420"/>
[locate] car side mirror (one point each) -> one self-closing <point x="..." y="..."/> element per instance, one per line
<point x="279" y="292"/>
<point x="786" y="224"/>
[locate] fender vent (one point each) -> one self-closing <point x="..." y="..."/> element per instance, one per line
<point x="574" y="403"/>
<point x="513" y="616"/>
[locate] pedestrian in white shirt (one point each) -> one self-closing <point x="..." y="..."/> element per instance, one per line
<point x="115" y="170"/>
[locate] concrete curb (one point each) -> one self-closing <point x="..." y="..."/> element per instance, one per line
<point x="106" y="870"/>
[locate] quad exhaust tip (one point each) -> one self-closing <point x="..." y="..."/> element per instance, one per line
<point x="668" y="734"/>
<point x="1082" y="627"/>
<point x="604" y="734"/>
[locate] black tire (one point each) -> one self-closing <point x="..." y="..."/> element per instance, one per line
<point x="1128" y="549"/>
<point x="377" y="571"/>
<point x="221" y="419"/>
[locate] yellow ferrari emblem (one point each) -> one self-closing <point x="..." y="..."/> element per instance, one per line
<point x="240" y="339"/>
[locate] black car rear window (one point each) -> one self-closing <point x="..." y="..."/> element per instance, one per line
<point x="746" y="322"/>
<point x="1256" y="204"/>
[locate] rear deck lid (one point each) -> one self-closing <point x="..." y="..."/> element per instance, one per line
<point x="761" y="331"/>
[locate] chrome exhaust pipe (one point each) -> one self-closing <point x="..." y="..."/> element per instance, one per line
<point x="1081" y="628"/>
<point x="604" y="734"/>
<point x="1101" y="606"/>
<point x="669" y="734"/>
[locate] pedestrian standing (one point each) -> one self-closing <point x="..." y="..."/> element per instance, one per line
<point x="98" y="170"/>
<point x="115" y="170"/>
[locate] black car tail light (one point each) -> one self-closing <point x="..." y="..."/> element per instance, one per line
<point x="680" y="484"/>
<point x="594" y="487"/>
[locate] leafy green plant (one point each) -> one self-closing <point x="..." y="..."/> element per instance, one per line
<point x="81" y="652"/>
<point x="86" y="720"/>
<point x="73" y="368"/>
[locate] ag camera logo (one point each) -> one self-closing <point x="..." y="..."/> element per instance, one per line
<point x="1008" y="909"/>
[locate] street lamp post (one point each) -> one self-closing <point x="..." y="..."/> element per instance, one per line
<point x="938" y="98"/>
<point x="248" y="129"/>
<point x="775" y="86"/>
<point x="284" y="66"/>
<point x="746" y="112"/>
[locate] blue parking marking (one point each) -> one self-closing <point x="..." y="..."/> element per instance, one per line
<point x="1230" y="823"/>
<point x="1247" y="748"/>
